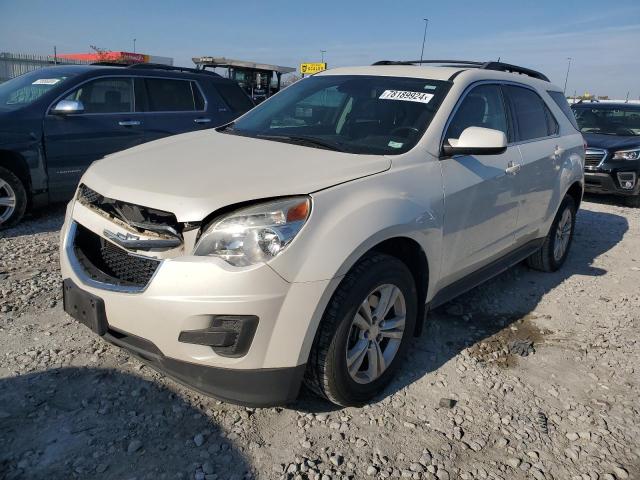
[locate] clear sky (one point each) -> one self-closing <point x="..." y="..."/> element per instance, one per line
<point x="603" y="37"/>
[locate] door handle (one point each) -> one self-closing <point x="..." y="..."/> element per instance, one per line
<point x="513" y="168"/>
<point x="202" y="120"/>
<point x="129" y="123"/>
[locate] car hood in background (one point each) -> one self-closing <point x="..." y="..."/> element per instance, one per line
<point x="194" y="174"/>
<point x="611" y="142"/>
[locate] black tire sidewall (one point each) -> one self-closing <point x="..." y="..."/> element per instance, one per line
<point x="21" y="197"/>
<point x="568" y="202"/>
<point x="388" y="271"/>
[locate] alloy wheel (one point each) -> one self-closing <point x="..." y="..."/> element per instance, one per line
<point x="563" y="235"/>
<point x="376" y="333"/>
<point x="7" y="201"/>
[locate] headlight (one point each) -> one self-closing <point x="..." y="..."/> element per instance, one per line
<point x="627" y="154"/>
<point x="255" y="234"/>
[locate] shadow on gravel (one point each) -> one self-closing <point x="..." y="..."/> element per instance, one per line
<point x="471" y="319"/>
<point x="44" y="220"/>
<point x="103" y="424"/>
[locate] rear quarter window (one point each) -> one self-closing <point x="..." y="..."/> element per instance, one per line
<point x="234" y="97"/>
<point x="561" y="101"/>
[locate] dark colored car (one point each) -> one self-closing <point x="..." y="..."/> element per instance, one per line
<point x="55" y="121"/>
<point x="612" y="161"/>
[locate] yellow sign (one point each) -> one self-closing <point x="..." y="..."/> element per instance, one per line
<point x="311" y="68"/>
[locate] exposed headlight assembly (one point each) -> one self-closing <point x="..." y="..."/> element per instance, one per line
<point x="255" y="234"/>
<point x="627" y="154"/>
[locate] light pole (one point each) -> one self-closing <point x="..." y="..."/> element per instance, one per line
<point x="134" y="45"/>
<point x="566" y="78"/>
<point x="424" y="37"/>
<point x="322" y="52"/>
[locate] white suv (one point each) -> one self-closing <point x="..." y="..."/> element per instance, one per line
<point x="306" y="241"/>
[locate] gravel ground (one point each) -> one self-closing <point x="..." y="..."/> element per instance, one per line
<point x="530" y="376"/>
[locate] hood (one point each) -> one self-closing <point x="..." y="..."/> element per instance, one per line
<point x="611" y="142"/>
<point x="196" y="173"/>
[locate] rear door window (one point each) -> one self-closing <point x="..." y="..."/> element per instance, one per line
<point x="533" y="118"/>
<point x="169" y="95"/>
<point x="234" y="97"/>
<point x="105" y="95"/>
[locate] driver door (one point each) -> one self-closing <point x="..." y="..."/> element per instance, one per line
<point x="481" y="207"/>
<point x="107" y="124"/>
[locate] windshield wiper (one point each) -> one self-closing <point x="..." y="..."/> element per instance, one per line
<point x="301" y="140"/>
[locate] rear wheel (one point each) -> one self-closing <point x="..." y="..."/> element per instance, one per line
<point x="13" y="198"/>
<point x="555" y="248"/>
<point x="364" y="332"/>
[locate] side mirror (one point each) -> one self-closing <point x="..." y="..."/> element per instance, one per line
<point x="476" y="141"/>
<point x="68" y="107"/>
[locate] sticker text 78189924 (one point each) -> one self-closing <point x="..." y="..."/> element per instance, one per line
<point x="406" y="96"/>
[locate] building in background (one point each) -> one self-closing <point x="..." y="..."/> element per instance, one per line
<point x="259" y="80"/>
<point x="125" y="58"/>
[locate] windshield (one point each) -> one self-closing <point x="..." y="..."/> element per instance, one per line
<point x="348" y="113"/>
<point x="622" y="121"/>
<point x="26" y="89"/>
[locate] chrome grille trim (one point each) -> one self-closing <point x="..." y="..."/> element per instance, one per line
<point x="593" y="158"/>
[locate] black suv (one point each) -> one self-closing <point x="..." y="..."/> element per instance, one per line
<point x="612" y="161"/>
<point x="55" y="121"/>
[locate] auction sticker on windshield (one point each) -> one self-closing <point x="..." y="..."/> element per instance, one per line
<point x="46" y="81"/>
<point x="405" y="96"/>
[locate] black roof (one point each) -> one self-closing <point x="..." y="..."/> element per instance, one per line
<point x="139" y="68"/>
<point x="605" y="105"/>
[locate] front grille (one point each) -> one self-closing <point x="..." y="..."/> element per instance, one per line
<point x="143" y="218"/>
<point x="105" y="262"/>
<point x="593" y="158"/>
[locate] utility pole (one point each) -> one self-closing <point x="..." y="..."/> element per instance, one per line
<point x="55" y="56"/>
<point x="424" y="37"/>
<point x="566" y="78"/>
<point x="134" y="45"/>
<point x="322" y="52"/>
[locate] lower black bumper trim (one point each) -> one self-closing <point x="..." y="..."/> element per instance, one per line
<point x="265" y="387"/>
<point x="604" y="183"/>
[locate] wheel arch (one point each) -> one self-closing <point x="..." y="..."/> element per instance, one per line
<point x="576" y="191"/>
<point x="17" y="165"/>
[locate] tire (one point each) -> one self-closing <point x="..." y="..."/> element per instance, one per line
<point x="545" y="259"/>
<point x="13" y="198"/>
<point x="327" y="373"/>
<point x="633" y="201"/>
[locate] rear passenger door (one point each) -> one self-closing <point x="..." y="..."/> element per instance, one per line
<point x="169" y="106"/>
<point x="542" y="156"/>
<point x="480" y="205"/>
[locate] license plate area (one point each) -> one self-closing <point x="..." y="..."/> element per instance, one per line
<point x="85" y="307"/>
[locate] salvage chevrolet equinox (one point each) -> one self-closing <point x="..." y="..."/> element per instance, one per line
<point x="306" y="241"/>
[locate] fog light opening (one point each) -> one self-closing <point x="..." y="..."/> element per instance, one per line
<point x="627" y="180"/>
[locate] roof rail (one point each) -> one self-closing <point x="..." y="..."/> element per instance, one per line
<point x="159" y="66"/>
<point x="496" y="66"/>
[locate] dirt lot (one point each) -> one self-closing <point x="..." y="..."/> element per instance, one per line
<point x="72" y="406"/>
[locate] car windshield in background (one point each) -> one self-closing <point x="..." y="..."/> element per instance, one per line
<point x="609" y="121"/>
<point x="348" y="113"/>
<point x="26" y="89"/>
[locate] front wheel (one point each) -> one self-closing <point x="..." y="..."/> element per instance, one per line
<point x="555" y="249"/>
<point x="13" y="198"/>
<point x="364" y="332"/>
<point x="633" y="201"/>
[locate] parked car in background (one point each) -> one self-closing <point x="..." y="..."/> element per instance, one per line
<point x="55" y="121"/>
<point x="612" y="163"/>
<point x="358" y="199"/>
